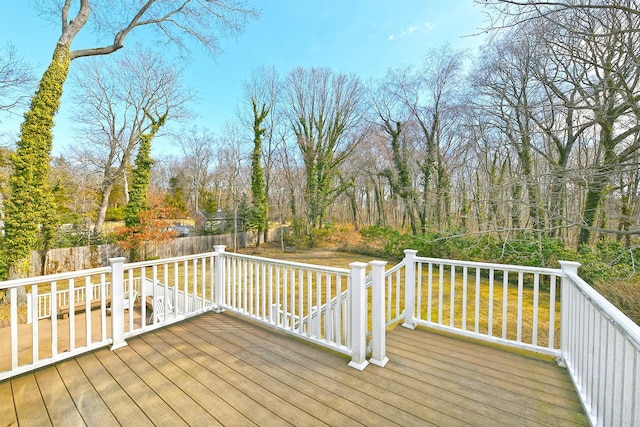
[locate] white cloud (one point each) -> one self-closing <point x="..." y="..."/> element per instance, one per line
<point x="410" y="29"/>
<point x="429" y="25"/>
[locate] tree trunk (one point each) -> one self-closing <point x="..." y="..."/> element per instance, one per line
<point x="104" y="205"/>
<point x="30" y="194"/>
<point x="598" y="183"/>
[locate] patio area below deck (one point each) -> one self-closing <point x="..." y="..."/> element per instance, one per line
<point x="220" y="369"/>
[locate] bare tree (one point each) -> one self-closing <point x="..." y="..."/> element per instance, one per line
<point x="198" y="150"/>
<point x="432" y="97"/>
<point x="110" y="103"/>
<point x="325" y="111"/>
<point x="507" y="95"/>
<point x="609" y="92"/>
<point x="585" y="66"/>
<point x="15" y="79"/>
<point x="231" y="174"/>
<point x="394" y="112"/>
<point x="262" y="93"/>
<point x="174" y="22"/>
<point x="510" y="13"/>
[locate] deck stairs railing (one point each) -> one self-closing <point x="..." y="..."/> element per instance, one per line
<point x="43" y="300"/>
<point x="548" y="311"/>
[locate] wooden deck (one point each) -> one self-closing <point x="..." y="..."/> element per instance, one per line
<point x="218" y="369"/>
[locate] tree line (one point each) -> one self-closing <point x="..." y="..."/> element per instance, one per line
<point x="536" y="136"/>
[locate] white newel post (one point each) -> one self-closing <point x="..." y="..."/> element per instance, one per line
<point x="219" y="300"/>
<point x="378" y="323"/>
<point x="117" y="302"/>
<point x="410" y="288"/>
<point x="567" y="267"/>
<point x="358" y="324"/>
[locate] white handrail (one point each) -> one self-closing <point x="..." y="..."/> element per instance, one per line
<point x="601" y="349"/>
<point x="599" y="344"/>
<point x="62" y="298"/>
<point x="456" y="304"/>
<point x="307" y="300"/>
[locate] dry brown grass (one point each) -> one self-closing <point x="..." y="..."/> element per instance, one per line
<point x="624" y="294"/>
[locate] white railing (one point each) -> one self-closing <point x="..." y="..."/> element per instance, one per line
<point x="338" y="308"/>
<point x="548" y="311"/>
<point x="43" y="300"/>
<point x="394" y="279"/>
<point x="163" y="292"/>
<point x="170" y="290"/>
<point x="319" y="304"/>
<point x="512" y="305"/>
<point x="601" y="349"/>
<point x="27" y="347"/>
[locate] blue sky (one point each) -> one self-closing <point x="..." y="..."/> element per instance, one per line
<point x="365" y="37"/>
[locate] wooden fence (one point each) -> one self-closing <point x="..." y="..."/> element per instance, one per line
<point x="62" y="260"/>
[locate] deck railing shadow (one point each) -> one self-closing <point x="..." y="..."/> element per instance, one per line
<point x="548" y="311"/>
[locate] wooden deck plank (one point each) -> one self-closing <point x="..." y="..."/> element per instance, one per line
<point x="225" y="370"/>
<point x="180" y="402"/>
<point x="156" y="352"/>
<point x="192" y="360"/>
<point x="402" y="344"/>
<point x="122" y="406"/>
<point x="150" y="403"/>
<point x="90" y="405"/>
<point x="60" y="406"/>
<point x="305" y="382"/>
<point x="8" y="416"/>
<point x="30" y="407"/>
<point x="294" y="389"/>
<point x="229" y="366"/>
<point x="402" y="409"/>
<point x="494" y="396"/>
<point x="575" y="414"/>
<point x="489" y="396"/>
<point x="351" y="402"/>
<point x="500" y="361"/>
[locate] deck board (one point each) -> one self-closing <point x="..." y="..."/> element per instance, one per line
<point x="29" y="405"/>
<point x="495" y="391"/>
<point x="138" y="391"/>
<point x="429" y="359"/>
<point x="156" y="355"/>
<point x="60" y="406"/>
<point x="88" y="401"/>
<point x="172" y="395"/>
<point x="219" y="369"/>
<point x="122" y="406"/>
<point x="372" y="395"/>
<point x="295" y="388"/>
<point x="195" y="362"/>
<point x="8" y="416"/>
<point x="238" y="372"/>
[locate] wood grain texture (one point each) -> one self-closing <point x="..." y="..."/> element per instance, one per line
<point x="219" y="369"/>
